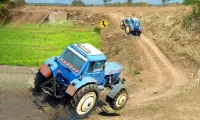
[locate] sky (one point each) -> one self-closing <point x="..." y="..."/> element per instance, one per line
<point x="95" y="1"/>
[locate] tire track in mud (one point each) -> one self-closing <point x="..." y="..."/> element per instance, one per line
<point x="168" y="78"/>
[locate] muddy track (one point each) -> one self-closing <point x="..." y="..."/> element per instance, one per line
<point x="168" y="77"/>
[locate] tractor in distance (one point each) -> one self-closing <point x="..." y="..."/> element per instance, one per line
<point x="131" y="25"/>
<point x="77" y="77"/>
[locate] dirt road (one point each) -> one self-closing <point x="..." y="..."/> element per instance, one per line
<point x="15" y="102"/>
<point x="168" y="77"/>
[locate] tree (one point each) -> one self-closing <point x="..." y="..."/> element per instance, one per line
<point x="105" y="1"/>
<point x="78" y="3"/>
<point x="164" y="2"/>
<point x="141" y="4"/>
<point x="129" y="2"/>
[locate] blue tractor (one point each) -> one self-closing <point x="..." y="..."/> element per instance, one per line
<point x="78" y="76"/>
<point x="131" y="25"/>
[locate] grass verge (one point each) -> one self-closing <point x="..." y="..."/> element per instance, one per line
<point x="28" y="45"/>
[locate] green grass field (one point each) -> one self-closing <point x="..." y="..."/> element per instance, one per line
<point x="1" y="5"/>
<point x="28" y="45"/>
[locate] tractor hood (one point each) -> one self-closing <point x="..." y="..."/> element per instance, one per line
<point x="112" y="68"/>
<point x="132" y="26"/>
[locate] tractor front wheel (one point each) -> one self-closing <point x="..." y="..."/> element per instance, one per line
<point x="84" y="101"/>
<point x="120" y="100"/>
<point x="139" y="33"/>
<point x="122" y="24"/>
<point x="127" y="30"/>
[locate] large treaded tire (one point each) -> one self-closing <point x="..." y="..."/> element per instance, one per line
<point x="39" y="79"/>
<point x="75" y="100"/>
<point x="127" y="30"/>
<point x="139" y="33"/>
<point x="122" y="24"/>
<point x="113" y="102"/>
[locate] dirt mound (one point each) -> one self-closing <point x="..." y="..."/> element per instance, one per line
<point x="86" y="17"/>
<point x="181" y="46"/>
<point x="28" y="15"/>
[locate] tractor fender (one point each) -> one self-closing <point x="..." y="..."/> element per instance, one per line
<point x="49" y="67"/>
<point x="71" y="89"/>
<point x="52" y="65"/>
<point x="116" y="89"/>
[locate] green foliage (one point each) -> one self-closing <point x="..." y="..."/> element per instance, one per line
<point x="1" y="5"/>
<point x="119" y="4"/>
<point x="164" y="2"/>
<point x="176" y="3"/>
<point x="5" y="15"/>
<point x="192" y="20"/>
<point x="137" y="72"/>
<point x="141" y="4"/>
<point x="78" y="3"/>
<point x="97" y="30"/>
<point x="30" y="45"/>
<point x="105" y="1"/>
<point x="129" y="2"/>
<point x="4" y="1"/>
<point x="190" y="2"/>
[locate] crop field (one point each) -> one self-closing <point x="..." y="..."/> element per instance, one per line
<point x="28" y="45"/>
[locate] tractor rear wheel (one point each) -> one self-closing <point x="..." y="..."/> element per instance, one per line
<point x="120" y="100"/>
<point x="84" y="101"/>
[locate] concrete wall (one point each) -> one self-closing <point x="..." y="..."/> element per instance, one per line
<point x="57" y="17"/>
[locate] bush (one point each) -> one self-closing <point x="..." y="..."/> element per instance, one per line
<point x="190" y="2"/>
<point x="3" y="1"/>
<point x="78" y="3"/>
<point x="141" y="4"/>
<point x="136" y="72"/>
<point x="5" y="15"/>
<point x="15" y="3"/>
<point x="192" y="20"/>
<point x="97" y="30"/>
<point x="119" y="4"/>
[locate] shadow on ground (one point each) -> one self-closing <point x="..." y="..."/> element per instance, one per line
<point x="53" y="106"/>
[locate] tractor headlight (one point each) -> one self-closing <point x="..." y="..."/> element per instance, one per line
<point x="74" y="83"/>
<point x="49" y="64"/>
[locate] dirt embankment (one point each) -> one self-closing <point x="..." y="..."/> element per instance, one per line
<point x="41" y="16"/>
<point x="181" y="46"/>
